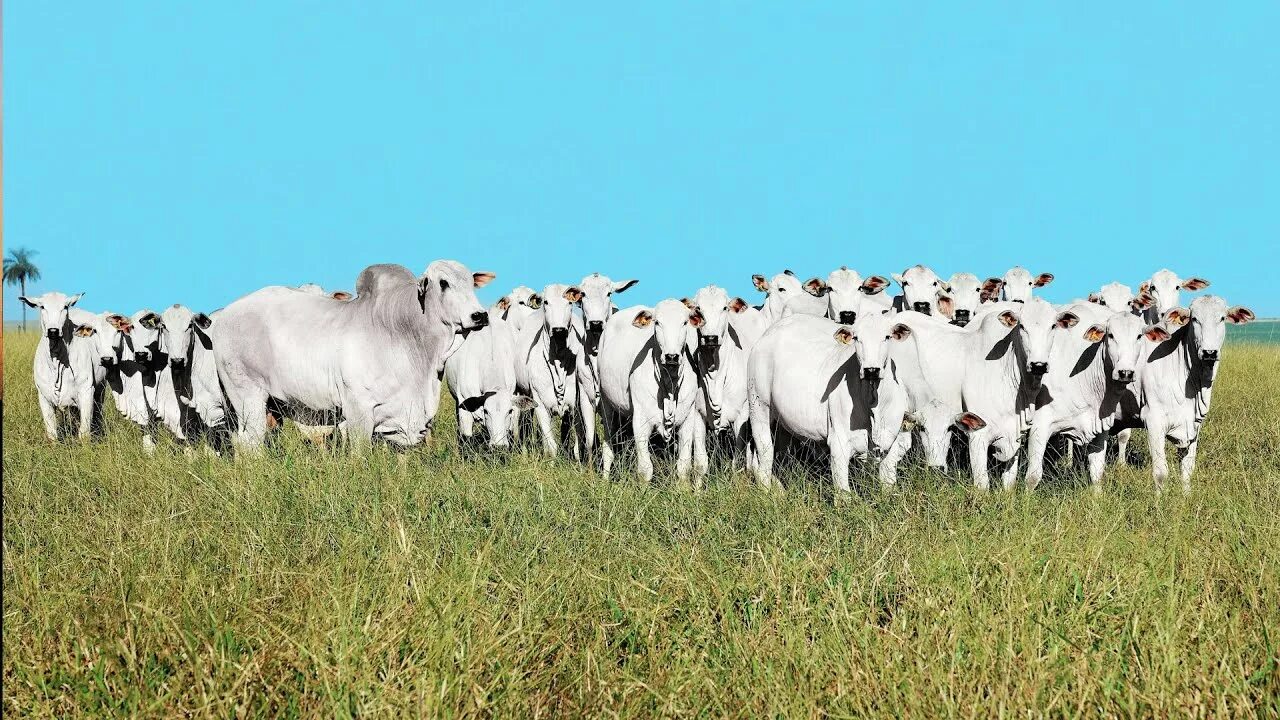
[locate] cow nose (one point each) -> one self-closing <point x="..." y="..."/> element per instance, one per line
<point x="595" y="325"/>
<point x="671" y="359"/>
<point x="961" y="318"/>
<point x="1038" y="368"/>
<point x="1209" y="355"/>
<point x="922" y="307"/>
<point x="847" y="317"/>
<point x="142" y="356"/>
<point x="1124" y="376"/>
<point x="53" y="333"/>
<point x="107" y="361"/>
<point x="709" y="340"/>
<point x="871" y="373"/>
<point x="178" y="362"/>
<point x="480" y="319"/>
<point x="560" y="333"/>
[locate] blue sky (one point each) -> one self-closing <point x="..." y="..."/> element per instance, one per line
<point x="161" y="152"/>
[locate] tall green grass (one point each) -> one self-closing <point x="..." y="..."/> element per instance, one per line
<point x="307" y="583"/>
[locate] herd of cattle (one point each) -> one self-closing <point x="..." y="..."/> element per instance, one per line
<point x="837" y="361"/>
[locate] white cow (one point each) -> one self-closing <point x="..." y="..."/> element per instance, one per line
<point x="965" y="291"/>
<point x="728" y="330"/>
<point x="846" y="293"/>
<point x="67" y="368"/>
<point x="377" y="359"/>
<point x="597" y="307"/>
<point x="547" y="351"/>
<point x="785" y="295"/>
<point x="1095" y="357"/>
<point x="1165" y="289"/>
<point x="921" y="288"/>
<point x="1176" y="385"/>
<point x="481" y="377"/>
<point x="1016" y="285"/>
<point x="314" y="289"/>
<point x="842" y="393"/>
<point x="516" y="307"/>
<point x="647" y="383"/>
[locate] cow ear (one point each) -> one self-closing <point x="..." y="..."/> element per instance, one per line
<point x="1095" y="333"/>
<point x="1240" y="315"/>
<point x="28" y="301"/>
<point x="843" y="335"/>
<point x="897" y="277"/>
<point x="696" y="319"/>
<point x="1144" y="300"/>
<point x="1177" y="316"/>
<point x="643" y="319"/>
<point x="946" y="305"/>
<point x="150" y="321"/>
<point x="573" y="294"/>
<point x="1155" y="333"/>
<point x="1195" y="283"/>
<point x="73" y="299"/>
<point x="1008" y="318"/>
<point x="1095" y="298"/>
<point x="482" y="278"/>
<point x="900" y="332"/>
<point x="1067" y="320"/>
<point x="535" y="301"/>
<point x="119" y="322"/>
<point x="503" y="304"/>
<point x="816" y="287"/>
<point x="969" y="421"/>
<point x="738" y="305"/>
<point x="201" y="321"/>
<point x="687" y="302"/>
<point x="623" y="285"/>
<point x="84" y="331"/>
<point x="1043" y="279"/>
<point x="991" y="288"/>
<point x="874" y="284"/>
<point x="342" y="295"/>
<point x="761" y="284"/>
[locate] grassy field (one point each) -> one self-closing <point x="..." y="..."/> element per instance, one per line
<point x="307" y="583"/>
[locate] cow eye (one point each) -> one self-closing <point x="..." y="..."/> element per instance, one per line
<point x="444" y="284"/>
<point x="935" y="283"/>
<point x="905" y="283"/>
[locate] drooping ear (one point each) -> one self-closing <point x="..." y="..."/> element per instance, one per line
<point x="738" y="305"/>
<point x="120" y="323"/>
<point x="946" y="305"/>
<point x="900" y="332"/>
<point x="643" y="319"/>
<point x="687" y="302"/>
<point x="1043" y="279"/>
<point x="482" y="278"/>
<point x="623" y="285"/>
<point x="535" y="301"/>
<point x="816" y="287"/>
<point x="28" y="301"/>
<point x="1144" y="300"/>
<point x="1155" y="333"/>
<point x="573" y="294"/>
<point x="201" y="321"/>
<point x="342" y="295"/>
<point x="874" y="284"/>
<point x="1095" y="333"/>
<point x="897" y="277"/>
<point x="150" y="321"/>
<point x="84" y="331"/>
<point x="696" y="319"/>
<point x="1195" y="283"/>
<point x="1067" y="320"/>
<point x="1095" y="298"/>
<point x="503" y="304"/>
<point x="843" y="335"/>
<point x="969" y="421"/>
<point x="73" y="299"/>
<point x="1240" y="315"/>
<point x="1008" y="318"/>
<point x="1145" y="288"/>
<point x="1177" y="316"/>
<point x="991" y="288"/>
<point x="523" y="403"/>
<point x="761" y="284"/>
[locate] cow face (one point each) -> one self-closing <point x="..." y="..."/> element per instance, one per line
<point x="597" y="299"/>
<point x="1165" y="289"/>
<point x="557" y="302"/>
<point x="778" y="291"/>
<point x="920" y="288"/>
<point x="847" y="294"/>
<point x="1207" y="320"/>
<point x="1036" y="323"/>
<point x="965" y="291"/>
<point x="715" y="307"/>
<point x="177" y="333"/>
<point x="1018" y="283"/>
<point x="114" y="341"/>
<point x="1124" y="337"/>
<point x="870" y="337"/>
<point x="146" y="337"/>
<point x="53" y="307"/>
<point x="674" y="328"/>
<point x="448" y="289"/>
<point x="1116" y="297"/>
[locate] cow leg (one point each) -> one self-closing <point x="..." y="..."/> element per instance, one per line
<point x="85" y="407"/>
<point x="1097" y="460"/>
<point x="743" y="449"/>
<point x="644" y="460"/>
<point x="566" y="436"/>
<point x="543" y="417"/>
<point x="50" y="417"/>
<point x="684" y="439"/>
<point x="1155" y="445"/>
<point x="979" y="444"/>
<point x="1037" y="441"/>
<point x="889" y="463"/>
<point x="610" y="422"/>
<point x="1009" y="475"/>
<point x="148" y="442"/>
<point x="841" y="453"/>
<point x="700" y="463"/>
<point x="762" y="436"/>
<point x="586" y="428"/>
<point x="1187" y="459"/>
<point x="1122" y="446"/>
<point x="250" y="405"/>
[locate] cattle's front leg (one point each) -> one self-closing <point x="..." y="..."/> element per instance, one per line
<point x="1187" y="459"/>
<point x="643" y="431"/>
<point x="50" y="417"/>
<point x="1155" y="446"/>
<point x="684" y="442"/>
<point x="1122" y="446"/>
<point x="762" y="436"/>
<point x="1097" y="460"/>
<point x="85" y="407"/>
<point x="979" y="445"/>
<point x="610" y="422"/>
<point x="841" y="453"/>
<point x="700" y="464"/>
<point x="543" y="417"/>
<point x="566" y="435"/>
<point x="1037" y="441"/>
<point x="586" y="428"/>
<point x="1009" y="473"/>
<point x="889" y="463"/>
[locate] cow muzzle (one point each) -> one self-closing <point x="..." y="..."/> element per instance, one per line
<point x="1209" y="356"/>
<point x="1038" y="368"/>
<point x="847" y="317"/>
<point x="871" y="374"/>
<point x="671" y="359"/>
<point x="708" y="341"/>
<point x="479" y="319"/>
<point x="142" y="356"/>
<point x="595" y="326"/>
<point x="922" y="307"/>
<point x="1124" y="376"/>
<point x="107" y="361"/>
<point x="961" y="318"/>
<point x="53" y="333"/>
<point x="178" y="363"/>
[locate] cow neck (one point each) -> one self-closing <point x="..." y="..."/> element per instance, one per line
<point x="668" y="383"/>
<point x="1198" y="376"/>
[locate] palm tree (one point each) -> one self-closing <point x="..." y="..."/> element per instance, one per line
<point x="18" y="269"/>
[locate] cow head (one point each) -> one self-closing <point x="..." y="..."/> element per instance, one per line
<point x="847" y="293"/>
<point x="556" y="304"/>
<point x="597" y="305"/>
<point x="938" y="424"/>
<point x="1207" y="324"/>
<point x="1123" y="337"/>
<point x="1017" y="284"/>
<point x="714" y="308"/>
<point x="447" y="290"/>
<point x="965" y="292"/>
<point x="146" y="338"/>
<point x="53" y="307"/>
<point x="778" y="291"/>
<point x="1165" y="289"/>
<point x="920" y="288"/>
<point x="870" y="337"/>
<point x="177" y="334"/>
<point x="1036" y="322"/>
<point x="114" y="341"/>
